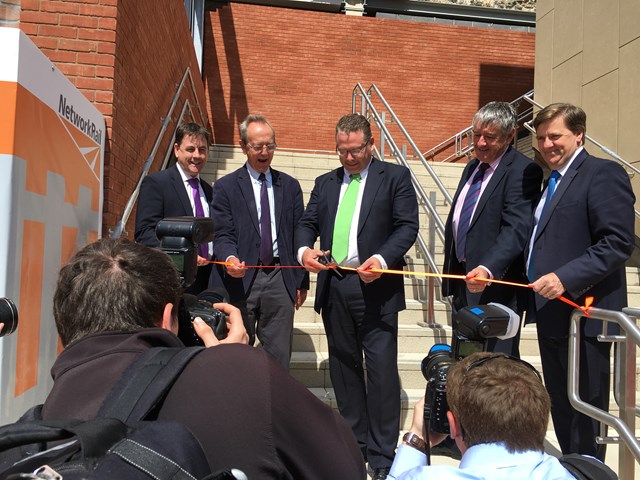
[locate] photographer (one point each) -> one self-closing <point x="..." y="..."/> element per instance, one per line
<point x="499" y="411"/>
<point x="116" y="299"/>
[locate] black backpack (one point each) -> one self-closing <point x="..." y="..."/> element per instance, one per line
<point x="118" y="443"/>
<point x="584" y="467"/>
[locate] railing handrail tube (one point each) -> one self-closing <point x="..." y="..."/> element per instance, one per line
<point x="631" y="330"/>
<point x="365" y="96"/>
<point x="398" y="155"/>
<point x="149" y="160"/>
<point x="605" y="149"/>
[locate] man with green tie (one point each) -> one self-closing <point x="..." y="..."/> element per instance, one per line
<point x="366" y="215"/>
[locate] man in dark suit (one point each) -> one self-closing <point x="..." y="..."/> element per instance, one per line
<point x="255" y="210"/>
<point x="583" y="234"/>
<point x="366" y="215"/>
<point x="178" y="191"/>
<point x="491" y="242"/>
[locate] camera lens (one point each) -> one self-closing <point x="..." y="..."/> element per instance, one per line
<point x="8" y="316"/>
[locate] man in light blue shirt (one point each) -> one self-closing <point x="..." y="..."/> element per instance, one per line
<point x="499" y="411"/>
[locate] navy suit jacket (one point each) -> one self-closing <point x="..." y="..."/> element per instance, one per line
<point x="585" y="236"/>
<point x="499" y="230"/>
<point x="162" y="194"/>
<point x="387" y="225"/>
<point x="235" y="217"/>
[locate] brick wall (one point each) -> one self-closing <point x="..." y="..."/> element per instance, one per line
<point x="299" y="68"/>
<point x="127" y="57"/>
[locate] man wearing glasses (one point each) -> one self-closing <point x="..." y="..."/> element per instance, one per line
<point x="366" y="215"/>
<point x="254" y="211"/>
<point x="499" y="412"/>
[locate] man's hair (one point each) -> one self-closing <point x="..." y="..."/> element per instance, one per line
<point x="354" y="122"/>
<point x="191" y="129"/>
<point x="114" y="285"/>
<point x="500" y="114"/>
<point x="499" y="401"/>
<point x="253" y="118"/>
<point x="574" y="117"/>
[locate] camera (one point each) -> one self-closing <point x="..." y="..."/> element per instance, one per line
<point x="8" y="316"/>
<point x="475" y="326"/>
<point x="179" y="239"/>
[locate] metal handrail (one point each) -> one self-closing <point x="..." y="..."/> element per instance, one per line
<point x="625" y="382"/>
<point x="457" y="139"/>
<point x="119" y="228"/>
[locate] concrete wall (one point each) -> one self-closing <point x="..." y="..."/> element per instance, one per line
<point x="299" y="68"/>
<point x="588" y="53"/>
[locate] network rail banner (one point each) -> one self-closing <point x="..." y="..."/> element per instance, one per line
<point x="51" y="168"/>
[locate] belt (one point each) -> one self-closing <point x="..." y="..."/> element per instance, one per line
<point x="275" y="261"/>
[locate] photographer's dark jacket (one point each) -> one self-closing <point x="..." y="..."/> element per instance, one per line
<point x="247" y="412"/>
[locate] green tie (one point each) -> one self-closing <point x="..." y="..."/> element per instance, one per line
<point x="342" y="227"/>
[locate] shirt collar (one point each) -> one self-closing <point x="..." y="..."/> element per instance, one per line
<point x="255" y="175"/>
<point x="363" y="173"/>
<point x="185" y="177"/>
<point x="566" y="166"/>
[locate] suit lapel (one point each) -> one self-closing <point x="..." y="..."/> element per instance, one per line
<point x="496" y="178"/>
<point x="278" y="195"/>
<point x="246" y="190"/>
<point x="374" y="180"/>
<point x="181" y="191"/>
<point x="333" y="184"/>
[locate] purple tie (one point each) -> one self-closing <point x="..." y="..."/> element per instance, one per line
<point x="467" y="211"/>
<point x="266" y="242"/>
<point x="203" y="248"/>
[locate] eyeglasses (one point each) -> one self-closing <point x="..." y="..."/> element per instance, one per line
<point x="483" y="360"/>
<point x="271" y="147"/>
<point x="354" y="151"/>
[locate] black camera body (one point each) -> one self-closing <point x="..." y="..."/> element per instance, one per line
<point x="475" y="326"/>
<point x="179" y="239"/>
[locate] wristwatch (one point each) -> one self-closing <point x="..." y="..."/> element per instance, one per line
<point x="414" y="441"/>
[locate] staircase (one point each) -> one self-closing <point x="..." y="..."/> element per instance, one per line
<point x="309" y="363"/>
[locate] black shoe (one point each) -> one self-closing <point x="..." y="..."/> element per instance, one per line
<point x="380" y="473"/>
<point x="447" y="448"/>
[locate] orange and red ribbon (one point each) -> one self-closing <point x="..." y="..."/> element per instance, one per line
<point x="588" y="302"/>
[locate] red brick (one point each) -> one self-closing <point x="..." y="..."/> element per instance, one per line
<point x="97" y="11"/>
<point x="58" y="6"/>
<point x="79" y="21"/>
<point x="95" y="59"/>
<point x="58" y="31"/>
<point x="94" y="34"/>
<point x="94" y="83"/>
<point x="39" y="18"/>
<point x="77" y="45"/>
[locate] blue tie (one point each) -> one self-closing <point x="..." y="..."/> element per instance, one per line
<point x="551" y="188"/>
<point x="467" y="210"/>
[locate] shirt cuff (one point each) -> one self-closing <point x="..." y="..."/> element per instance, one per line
<point x="383" y="264"/>
<point x="299" y="256"/>
<point x="406" y="459"/>
<point x="488" y="272"/>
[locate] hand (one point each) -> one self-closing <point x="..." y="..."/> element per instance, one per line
<point x="236" y="270"/>
<point x="1" y="326"/>
<point x="310" y="260"/>
<point x="549" y="286"/>
<point x="236" y="331"/>
<point x="473" y="285"/>
<point x="301" y="296"/>
<point x="417" y="425"/>
<point x="201" y="261"/>
<point x="364" y="270"/>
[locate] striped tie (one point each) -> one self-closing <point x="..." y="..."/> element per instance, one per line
<point x="467" y="211"/>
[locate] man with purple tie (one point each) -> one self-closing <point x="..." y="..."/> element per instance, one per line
<point x="255" y="210"/>
<point x="178" y="191"/>
<point x="487" y="227"/>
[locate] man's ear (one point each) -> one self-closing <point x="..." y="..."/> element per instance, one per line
<point x="454" y="425"/>
<point x="168" y="321"/>
<point x="456" y="432"/>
